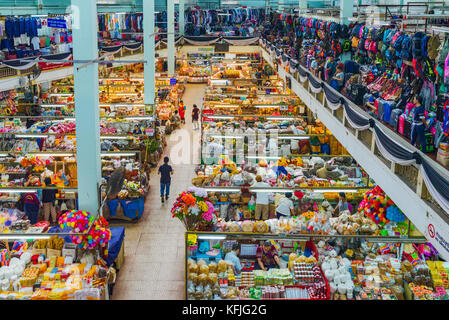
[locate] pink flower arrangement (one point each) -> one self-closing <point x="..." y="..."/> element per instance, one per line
<point x="193" y="211"/>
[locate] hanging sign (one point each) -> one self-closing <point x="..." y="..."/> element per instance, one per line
<point x="57" y="23"/>
<point x="149" y="132"/>
<point x="172" y="82"/>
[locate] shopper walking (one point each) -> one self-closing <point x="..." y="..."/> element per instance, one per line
<point x="419" y="123"/>
<point x="261" y="199"/>
<point x="48" y="201"/>
<point x="165" y="171"/>
<point x="195" y="117"/>
<point x="182" y="111"/>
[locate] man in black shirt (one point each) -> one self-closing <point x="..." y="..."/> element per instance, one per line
<point x="48" y="201"/>
<point x="165" y="171"/>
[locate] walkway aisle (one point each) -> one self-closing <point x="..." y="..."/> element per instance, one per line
<point x="154" y="246"/>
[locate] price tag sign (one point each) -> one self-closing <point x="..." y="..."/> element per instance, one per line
<point x="149" y="132"/>
<point x="172" y="82"/>
<point x="208" y="112"/>
<point x="284" y="108"/>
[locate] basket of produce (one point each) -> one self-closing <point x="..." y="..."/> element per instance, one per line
<point x="198" y="181"/>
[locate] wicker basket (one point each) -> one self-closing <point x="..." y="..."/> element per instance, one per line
<point x="223" y="198"/>
<point x="246" y="199"/>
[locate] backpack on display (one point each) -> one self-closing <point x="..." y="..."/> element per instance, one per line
<point x="346" y="45"/>
<point x="432" y="47"/>
<point x="406" y="48"/>
<point x="428" y="70"/>
<point x="417" y="45"/>
<point x="429" y="142"/>
<point x="424" y="45"/>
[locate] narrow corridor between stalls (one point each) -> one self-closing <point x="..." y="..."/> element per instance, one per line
<point x="154" y="246"/>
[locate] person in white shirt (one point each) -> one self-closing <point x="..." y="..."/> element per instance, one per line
<point x="285" y="206"/>
<point x="261" y="199"/>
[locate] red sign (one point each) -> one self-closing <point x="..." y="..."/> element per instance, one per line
<point x="431" y="230"/>
<point x="208" y="112"/>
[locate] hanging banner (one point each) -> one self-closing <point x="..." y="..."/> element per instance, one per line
<point x="57" y="23"/>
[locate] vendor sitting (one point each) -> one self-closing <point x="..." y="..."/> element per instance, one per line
<point x="233" y="258"/>
<point x="267" y="256"/>
<point x="342" y="205"/>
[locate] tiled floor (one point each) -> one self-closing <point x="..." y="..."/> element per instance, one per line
<point x="154" y="246"/>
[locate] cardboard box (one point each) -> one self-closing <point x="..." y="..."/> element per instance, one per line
<point x="53" y="253"/>
<point x="69" y="249"/>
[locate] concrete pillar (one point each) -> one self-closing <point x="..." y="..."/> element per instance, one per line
<point x="181" y="17"/>
<point x="171" y="37"/>
<point x="302" y="6"/>
<point x="281" y="5"/>
<point x="346" y="9"/>
<point x="85" y="47"/>
<point x="149" y="51"/>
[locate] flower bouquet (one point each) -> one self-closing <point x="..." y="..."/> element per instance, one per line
<point x="192" y="208"/>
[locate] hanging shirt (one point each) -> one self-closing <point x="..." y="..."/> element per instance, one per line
<point x="262" y="197"/>
<point x="36" y="42"/>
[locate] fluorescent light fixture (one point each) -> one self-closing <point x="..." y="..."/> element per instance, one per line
<point x="262" y="157"/>
<point x="219" y="117"/>
<point x="266" y="106"/>
<point x="211" y="237"/>
<point x="116" y="137"/>
<point x="23" y="236"/>
<point x="226" y="106"/>
<point x="219" y="82"/>
<point x="6" y="190"/>
<point x="121" y="79"/>
<point x="294" y="138"/>
<point x="60" y="95"/>
<point x="334" y="190"/>
<point x="50" y="154"/>
<point x="54" y="105"/>
<point x="138" y="118"/>
<point x="226" y="137"/>
<point x="3" y="155"/>
<point x="121" y="105"/>
<point x="124" y="94"/>
<point x="272" y="190"/>
<point x="69" y="119"/>
<point x="279" y="118"/>
<point x="118" y="154"/>
<point x="222" y="190"/>
<point x="31" y="135"/>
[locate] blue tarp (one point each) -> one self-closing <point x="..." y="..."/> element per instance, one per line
<point x="115" y="244"/>
<point x="133" y="208"/>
